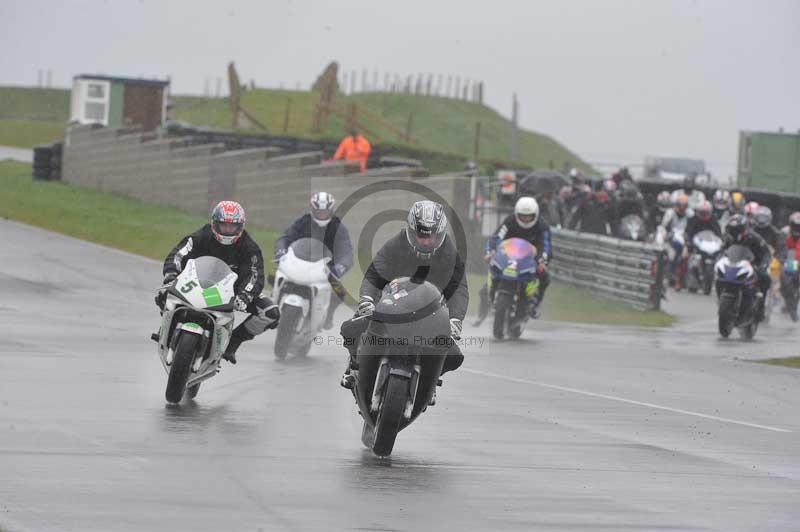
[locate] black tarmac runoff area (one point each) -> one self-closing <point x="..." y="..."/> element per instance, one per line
<point x="572" y="428"/>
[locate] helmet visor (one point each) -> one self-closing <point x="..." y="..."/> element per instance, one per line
<point x="321" y="214"/>
<point x="228" y="228"/>
<point x="427" y="240"/>
<point x="526" y="218"/>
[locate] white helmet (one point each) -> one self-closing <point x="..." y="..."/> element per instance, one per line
<point x="526" y="211"/>
<point x="322" y="208"/>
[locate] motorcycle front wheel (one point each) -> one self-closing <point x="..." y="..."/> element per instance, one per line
<point x="726" y="314"/>
<point x="290" y="317"/>
<point x="391" y="413"/>
<point x="181" y="367"/>
<point x="502" y="313"/>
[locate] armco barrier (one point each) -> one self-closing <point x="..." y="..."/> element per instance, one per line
<point x="632" y="272"/>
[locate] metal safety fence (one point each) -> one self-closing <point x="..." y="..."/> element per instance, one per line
<point x="625" y="270"/>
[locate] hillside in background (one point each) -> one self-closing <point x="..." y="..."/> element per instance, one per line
<point x="30" y="116"/>
<point x="437" y="124"/>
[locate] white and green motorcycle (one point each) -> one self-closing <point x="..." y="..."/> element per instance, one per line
<point x="196" y="325"/>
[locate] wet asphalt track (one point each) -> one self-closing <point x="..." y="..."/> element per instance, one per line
<point x="579" y="428"/>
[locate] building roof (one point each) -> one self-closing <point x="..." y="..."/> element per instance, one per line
<point x="127" y="81"/>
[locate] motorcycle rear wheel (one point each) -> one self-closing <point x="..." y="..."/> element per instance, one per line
<point x="502" y="313"/>
<point x="181" y="367"/>
<point x="391" y="413"/>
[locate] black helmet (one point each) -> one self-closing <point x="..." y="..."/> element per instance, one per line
<point x="628" y="190"/>
<point x="794" y="225"/>
<point x="689" y="182"/>
<point x="427" y="228"/>
<point x="737" y="227"/>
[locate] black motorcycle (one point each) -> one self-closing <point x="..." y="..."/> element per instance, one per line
<point x="399" y="358"/>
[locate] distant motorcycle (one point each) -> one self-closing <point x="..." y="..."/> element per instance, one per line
<point x="196" y="325"/>
<point x="700" y="274"/>
<point x="399" y="360"/>
<point x="790" y="284"/>
<point x="736" y="280"/>
<point x="513" y="272"/>
<point x="631" y="227"/>
<point x="303" y="293"/>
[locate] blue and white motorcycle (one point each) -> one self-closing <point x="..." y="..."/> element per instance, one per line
<point x="737" y="290"/>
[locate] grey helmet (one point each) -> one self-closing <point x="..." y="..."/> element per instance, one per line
<point x="427" y="228"/>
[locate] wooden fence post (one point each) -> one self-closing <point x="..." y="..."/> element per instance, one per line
<point x="286" y="115"/>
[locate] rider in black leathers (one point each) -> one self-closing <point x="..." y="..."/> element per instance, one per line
<point x="323" y="225"/>
<point x="226" y="239"/>
<point x="738" y="232"/>
<point x="421" y="251"/>
<point x="771" y="234"/>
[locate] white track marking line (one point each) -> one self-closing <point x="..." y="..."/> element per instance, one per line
<point x="623" y="400"/>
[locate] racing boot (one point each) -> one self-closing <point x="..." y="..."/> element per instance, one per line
<point x="348" y="379"/>
<point x="533" y="306"/>
<point x="239" y="335"/>
<point x="484" y="306"/>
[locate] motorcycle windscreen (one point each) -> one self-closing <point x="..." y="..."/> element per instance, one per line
<point x="210" y="270"/>
<point x="310" y="249"/>
<point x="737" y="253"/>
<point x="514" y="257"/>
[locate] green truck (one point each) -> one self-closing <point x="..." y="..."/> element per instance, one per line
<point x="769" y="161"/>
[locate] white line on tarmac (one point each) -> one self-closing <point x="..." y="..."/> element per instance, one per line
<point x="623" y="400"/>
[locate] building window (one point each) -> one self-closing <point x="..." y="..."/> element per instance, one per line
<point x="95" y="104"/>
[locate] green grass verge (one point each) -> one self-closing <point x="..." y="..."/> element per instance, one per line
<point x="29" y="133"/>
<point x="151" y="231"/>
<point x="107" y="219"/>
<point x="565" y="302"/>
<point x="789" y="362"/>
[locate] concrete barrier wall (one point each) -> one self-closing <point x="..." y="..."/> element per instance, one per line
<point x="273" y="188"/>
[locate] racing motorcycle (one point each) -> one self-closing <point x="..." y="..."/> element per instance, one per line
<point x="398" y="360"/>
<point x="700" y="275"/>
<point x="631" y="227"/>
<point x="513" y="273"/>
<point x="790" y="284"/>
<point x="302" y="292"/>
<point x="196" y="325"/>
<point x="736" y="283"/>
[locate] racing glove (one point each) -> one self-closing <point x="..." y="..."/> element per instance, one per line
<point x="240" y="303"/>
<point x="338" y="270"/>
<point x="161" y="294"/>
<point x="455" y="328"/>
<point x="366" y="306"/>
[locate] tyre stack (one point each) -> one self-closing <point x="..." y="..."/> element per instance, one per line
<point x="47" y="162"/>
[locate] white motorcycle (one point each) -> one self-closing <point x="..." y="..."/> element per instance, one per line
<point x="302" y="292"/>
<point x="708" y="248"/>
<point x="196" y="325"/>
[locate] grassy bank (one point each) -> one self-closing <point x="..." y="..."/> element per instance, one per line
<point x="789" y="362"/>
<point x="151" y="231"/>
<point x="565" y="302"/>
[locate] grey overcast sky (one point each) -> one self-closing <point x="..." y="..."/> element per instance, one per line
<point x="614" y="80"/>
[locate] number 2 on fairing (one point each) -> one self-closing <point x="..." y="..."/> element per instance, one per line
<point x="188" y="287"/>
